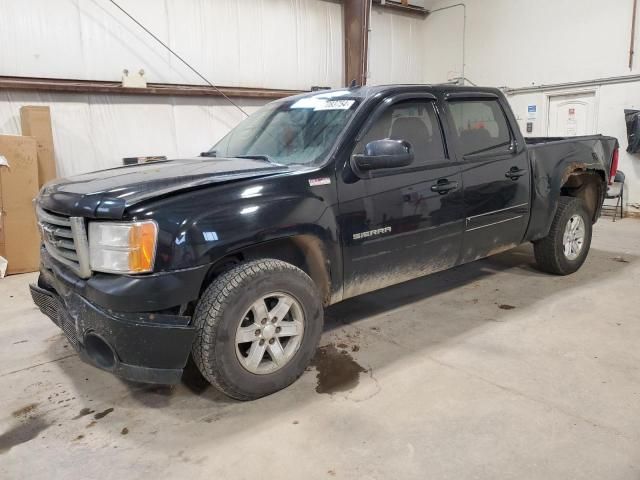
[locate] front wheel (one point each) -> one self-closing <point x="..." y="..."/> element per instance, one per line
<point x="565" y="249"/>
<point x="258" y="327"/>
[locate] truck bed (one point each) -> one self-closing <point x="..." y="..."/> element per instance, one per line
<point x="551" y="159"/>
<point x="535" y="141"/>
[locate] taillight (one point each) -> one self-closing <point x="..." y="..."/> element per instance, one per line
<point x="614" y="165"/>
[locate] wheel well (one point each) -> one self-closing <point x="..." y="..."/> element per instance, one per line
<point x="304" y="251"/>
<point x="588" y="186"/>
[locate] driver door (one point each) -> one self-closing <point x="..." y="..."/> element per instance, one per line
<point x="400" y="223"/>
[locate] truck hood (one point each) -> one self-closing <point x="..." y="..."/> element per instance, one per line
<point x="107" y="193"/>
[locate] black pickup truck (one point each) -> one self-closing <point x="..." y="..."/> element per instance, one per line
<point x="230" y="257"/>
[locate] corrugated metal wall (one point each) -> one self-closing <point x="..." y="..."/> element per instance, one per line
<point x="396" y="46"/>
<point x="289" y="44"/>
<point x="93" y="132"/>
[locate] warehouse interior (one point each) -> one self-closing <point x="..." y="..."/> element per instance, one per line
<point x="488" y="370"/>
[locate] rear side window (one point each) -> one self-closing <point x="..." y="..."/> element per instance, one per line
<point x="413" y="121"/>
<point x="480" y="125"/>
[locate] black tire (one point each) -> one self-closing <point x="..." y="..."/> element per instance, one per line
<point x="223" y="306"/>
<point x="549" y="251"/>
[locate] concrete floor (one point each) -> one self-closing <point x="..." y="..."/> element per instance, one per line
<point x="491" y="370"/>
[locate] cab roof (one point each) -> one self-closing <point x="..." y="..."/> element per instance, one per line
<point x="364" y="92"/>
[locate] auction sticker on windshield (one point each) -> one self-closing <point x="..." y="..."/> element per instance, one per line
<point x="319" y="104"/>
<point x="335" y="105"/>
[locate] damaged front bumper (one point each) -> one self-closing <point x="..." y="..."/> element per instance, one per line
<point x="139" y="346"/>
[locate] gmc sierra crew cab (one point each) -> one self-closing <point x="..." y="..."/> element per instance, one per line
<point x="231" y="257"/>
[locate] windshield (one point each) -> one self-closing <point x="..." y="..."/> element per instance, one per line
<point x="292" y="132"/>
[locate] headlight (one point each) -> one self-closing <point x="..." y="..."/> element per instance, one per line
<point x="116" y="247"/>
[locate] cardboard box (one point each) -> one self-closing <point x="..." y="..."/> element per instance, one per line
<point x="36" y="122"/>
<point x="19" y="236"/>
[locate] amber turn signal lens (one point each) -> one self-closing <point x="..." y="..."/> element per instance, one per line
<point x="142" y="244"/>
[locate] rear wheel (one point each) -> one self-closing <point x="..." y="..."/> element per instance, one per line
<point x="258" y="327"/>
<point x="565" y="249"/>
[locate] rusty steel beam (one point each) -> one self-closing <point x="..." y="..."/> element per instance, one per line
<point x="356" y="39"/>
<point x="104" y="87"/>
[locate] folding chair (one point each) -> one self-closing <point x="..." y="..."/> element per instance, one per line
<point x="616" y="191"/>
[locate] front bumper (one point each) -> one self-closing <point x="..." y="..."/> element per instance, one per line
<point x="143" y="347"/>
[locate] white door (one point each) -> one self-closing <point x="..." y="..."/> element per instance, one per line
<point x="572" y="115"/>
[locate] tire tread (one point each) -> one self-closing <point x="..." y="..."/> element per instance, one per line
<point x="547" y="254"/>
<point x="208" y="316"/>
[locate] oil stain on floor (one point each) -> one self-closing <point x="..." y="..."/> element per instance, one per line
<point x="100" y="415"/>
<point x="337" y="370"/>
<point x="85" y="411"/>
<point x="620" y="260"/>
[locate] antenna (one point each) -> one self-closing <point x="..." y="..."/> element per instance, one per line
<point x="179" y="57"/>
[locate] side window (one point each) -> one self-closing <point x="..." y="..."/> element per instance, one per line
<point x="480" y="125"/>
<point x="413" y="121"/>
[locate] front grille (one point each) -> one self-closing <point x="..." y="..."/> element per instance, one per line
<point x="65" y="238"/>
<point x="48" y="304"/>
<point x="52" y="308"/>
<point x="69" y="328"/>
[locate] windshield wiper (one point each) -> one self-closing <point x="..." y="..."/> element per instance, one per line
<point x="264" y="158"/>
<point x="210" y="153"/>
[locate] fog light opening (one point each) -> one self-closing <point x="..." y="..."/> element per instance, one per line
<point x="99" y="351"/>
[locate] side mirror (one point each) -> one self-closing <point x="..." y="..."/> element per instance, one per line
<point x="385" y="153"/>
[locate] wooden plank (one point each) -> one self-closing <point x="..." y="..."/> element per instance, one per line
<point x="95" y="86"/>
<point x="36" y="122"/>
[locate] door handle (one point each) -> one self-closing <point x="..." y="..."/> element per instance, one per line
<point x="444" y="186"/>
<point x="515" y="173"/>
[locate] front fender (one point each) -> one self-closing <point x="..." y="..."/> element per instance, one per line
<point x="202" y="226"/>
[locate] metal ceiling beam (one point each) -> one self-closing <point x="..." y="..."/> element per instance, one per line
<point x="115" y="88"/>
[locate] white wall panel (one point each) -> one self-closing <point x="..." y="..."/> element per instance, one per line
<point x="396" y="48"/>
<point x="93" y="132"/>
<point x="520" y="42"/>
<point x="256" y="43"/>
<point x="111" y="42"/>
<point x="40" y="38"/>
<point x="443" y="45"/>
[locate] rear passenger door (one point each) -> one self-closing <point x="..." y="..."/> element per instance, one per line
<point x="495" y="173"/>
<point x="400" y="223"/>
